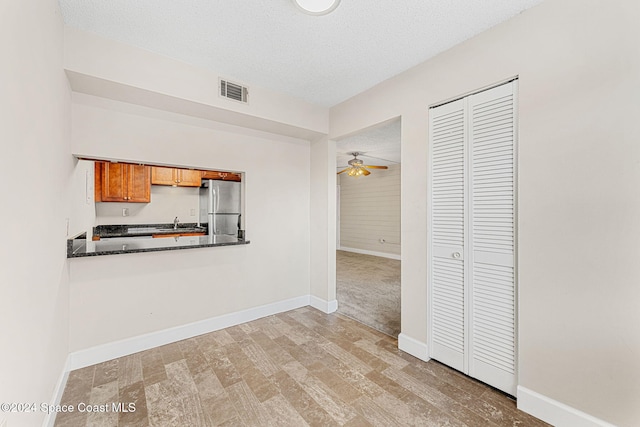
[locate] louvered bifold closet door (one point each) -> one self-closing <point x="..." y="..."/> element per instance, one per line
<point x="448" y="135"/>
<point x="472" y="293"/>
<point x="492" y="234"/>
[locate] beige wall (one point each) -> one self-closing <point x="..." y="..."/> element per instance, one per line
<point x="579" y="204"/>
<point x="122" y="296"/>
<point x="370" y="211"/>
<point x="37" y="166"/>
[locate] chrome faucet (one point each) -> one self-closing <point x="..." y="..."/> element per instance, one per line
<point x="175" y="223"/>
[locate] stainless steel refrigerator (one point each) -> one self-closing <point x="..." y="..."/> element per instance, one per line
<point x="220" y="206"/>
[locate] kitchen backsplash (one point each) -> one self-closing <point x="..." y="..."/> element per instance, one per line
<point x="166" y="203"/>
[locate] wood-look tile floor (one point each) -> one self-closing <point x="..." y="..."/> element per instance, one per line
<point x="298" y="368"/>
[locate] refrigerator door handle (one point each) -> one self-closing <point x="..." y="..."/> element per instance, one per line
<point x="217" y="200"/>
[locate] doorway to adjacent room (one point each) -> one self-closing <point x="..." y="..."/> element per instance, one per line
<point x="368" y="227"/>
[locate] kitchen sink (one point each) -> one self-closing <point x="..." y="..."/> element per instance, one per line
<point x="168" y="230"/>
<point x="143" y="230"/>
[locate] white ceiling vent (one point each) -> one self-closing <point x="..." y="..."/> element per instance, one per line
<point x="233" y="91"/>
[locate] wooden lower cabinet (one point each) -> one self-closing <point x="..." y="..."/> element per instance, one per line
<point x="175" y="177"/>
<point x="123" y="182"/>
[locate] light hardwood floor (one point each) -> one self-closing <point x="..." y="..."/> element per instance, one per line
<point x="298" y="368"/>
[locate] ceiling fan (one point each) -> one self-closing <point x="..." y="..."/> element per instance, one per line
<point x="357" y="168"/>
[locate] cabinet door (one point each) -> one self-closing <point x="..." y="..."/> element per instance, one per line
<point x="97" y="180"/>
<point x="123" y="182"/>
<point x="234" y="177"/>
<point x="224" y="176"/>
<point x="189" y="178"/>
<point x="139" y="183"/>
<point x="114" y="188"/>
<point x="175" y="177"/>
<point x="163" y="176"/>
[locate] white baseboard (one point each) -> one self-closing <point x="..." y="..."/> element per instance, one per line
<point x="113" y="350"/>
<point x="366" y="252"/>
<point x="554" y="412"/>
<point x="323" y="305"/>
<point x="413" y="347"/>
<point x="50" y="418"/>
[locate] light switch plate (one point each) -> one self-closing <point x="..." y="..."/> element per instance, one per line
<point x="88" y="186"/>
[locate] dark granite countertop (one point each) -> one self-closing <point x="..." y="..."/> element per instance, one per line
<point x="124" y="241"/>
<point x="135" y="230"/>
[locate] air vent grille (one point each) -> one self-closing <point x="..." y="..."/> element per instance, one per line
<point x="233" y="91"/>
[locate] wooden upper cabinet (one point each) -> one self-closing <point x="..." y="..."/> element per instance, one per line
<point x="189" y="178"/>
<point x="139" y="183"/>
<point x="224" y="176"/>
<point x="174" y="176"/>
<point x="163" y="176"/>
<point x="123" y="182"/>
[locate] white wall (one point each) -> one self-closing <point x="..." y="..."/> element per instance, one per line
<point x="114" y="70"/>
<point x="122" y="296"/>
<point x="579" y="204"/>
<point x="37" y="167"/>
<point x="82" y="215"/>
<point x="167" y="202"/>
<point x="370" y="211"/>
<point x="323" y="223"/>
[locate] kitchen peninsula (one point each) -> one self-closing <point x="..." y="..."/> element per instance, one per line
<point x="147" y="195"/>
<point x="133" y="242"/>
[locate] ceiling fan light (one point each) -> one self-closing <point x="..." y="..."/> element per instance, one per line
<point x="317" y="7"/>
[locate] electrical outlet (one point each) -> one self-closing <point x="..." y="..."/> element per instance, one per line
<point x="125" y="211"/>
<point x="193" y="212"/>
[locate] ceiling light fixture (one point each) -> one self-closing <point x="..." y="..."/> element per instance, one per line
<point x="317" y="7"/>
<point x="356" y="168"/>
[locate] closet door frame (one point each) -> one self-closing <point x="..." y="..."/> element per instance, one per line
<point x="468" y="257"/>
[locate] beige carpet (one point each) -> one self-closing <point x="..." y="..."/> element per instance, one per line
<point x="368" y="290"/>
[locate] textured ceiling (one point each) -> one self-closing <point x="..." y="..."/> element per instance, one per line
<point x="272" y="44"/>
<point x="378" y="146"/>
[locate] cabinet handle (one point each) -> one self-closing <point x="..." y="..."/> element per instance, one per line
<point x="456" y="255"/>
